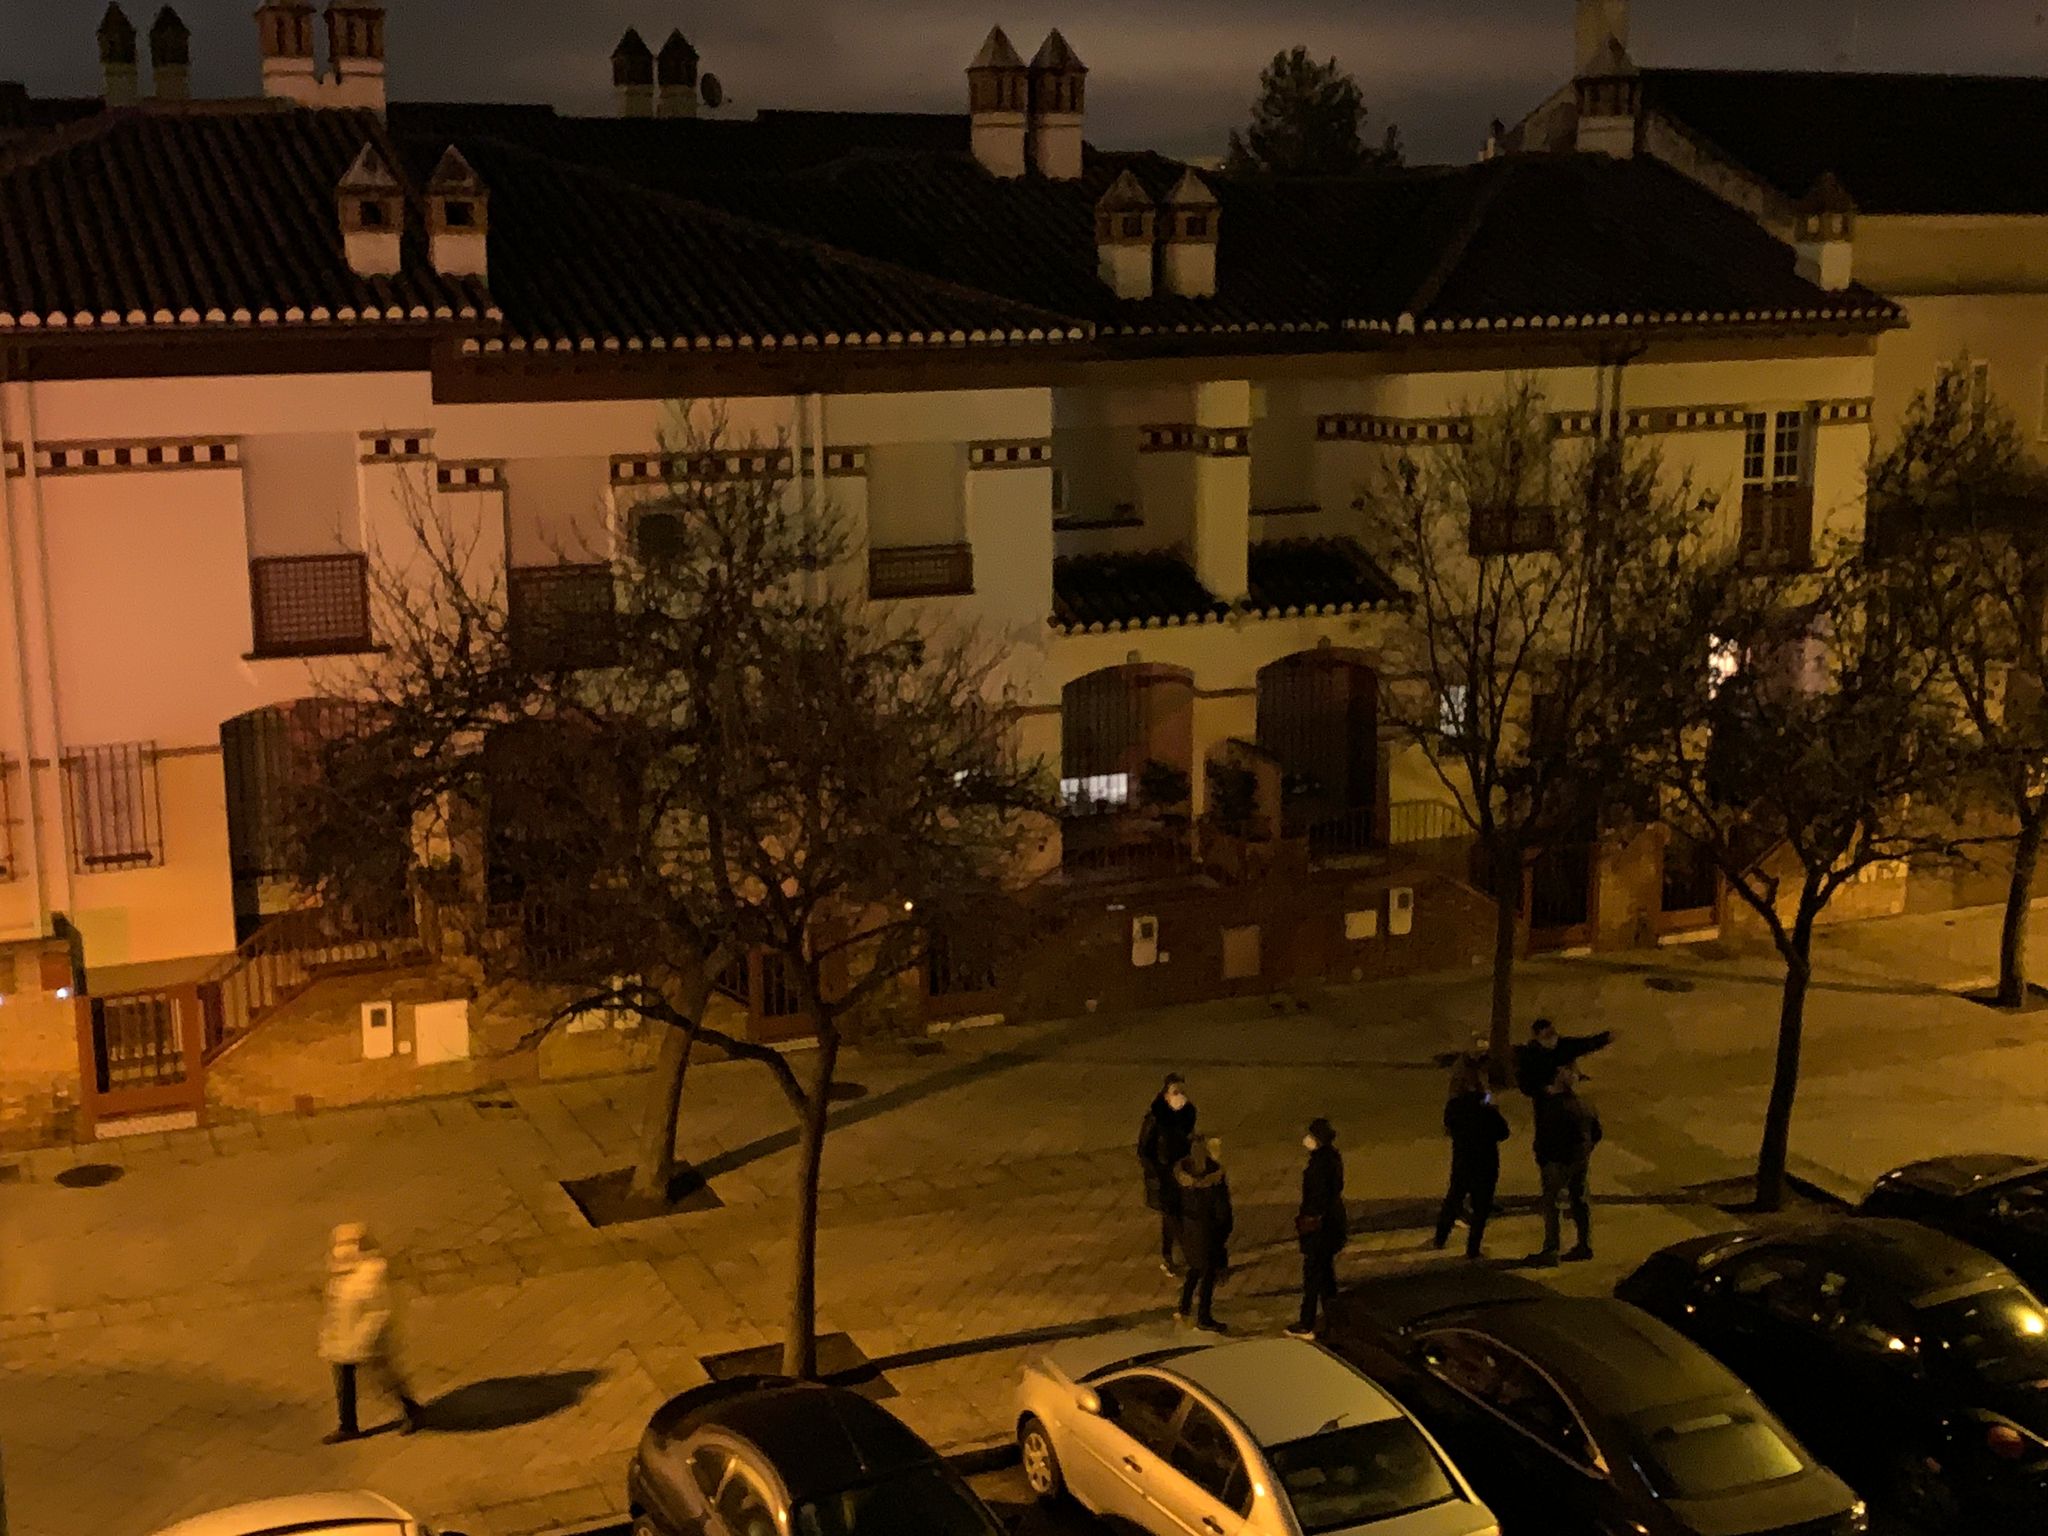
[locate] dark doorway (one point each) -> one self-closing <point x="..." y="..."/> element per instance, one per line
<point x="1318" y="714"/>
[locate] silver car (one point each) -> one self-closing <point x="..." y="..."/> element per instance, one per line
<point x="355" y="1513"/>
<point x="1256" y="1437"/>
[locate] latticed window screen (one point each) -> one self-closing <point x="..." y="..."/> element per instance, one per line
<point x="310" y="605"/>
<point x="111" y="794"/>
<point x="562" y="615"/>
<point x="138" y="1041"/>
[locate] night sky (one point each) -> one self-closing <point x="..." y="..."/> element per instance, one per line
<point x="1172" y="74"/>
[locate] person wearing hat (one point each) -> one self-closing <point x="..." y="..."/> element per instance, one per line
<point x="1164" y="1137"/>
<point x="1319" y="1224"/>
<point x="1205" y="1223"/>
<point x="356" y="1330"/>
<point x="1476" y="1128"/>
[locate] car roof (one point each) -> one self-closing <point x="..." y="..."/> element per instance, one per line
<point x="1911" y="1258"/>
<point x="1966" y="1173"/>
<point x="1614" y="1357"/>
<point x="1283" y="1389"/>
<point x="297" y="1512"/>
<point x="1088" y="1354"/>
<point x="819" y="1439"/>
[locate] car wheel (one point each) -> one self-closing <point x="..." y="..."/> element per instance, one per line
<point x="1041" y="1464"/>
<point x="1921" y="1493"/>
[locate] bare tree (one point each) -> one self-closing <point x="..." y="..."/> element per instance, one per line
<point x="1526" y="570"/>
<point x="693" y="752"/>
<point x="1957" y="503"/>
<point x="1807" y="746"/>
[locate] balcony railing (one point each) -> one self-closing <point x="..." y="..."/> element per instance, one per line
<point x="310" y="605"/>
<point x="921" y="570"/>
<point x="562" y="616"/>
<point x="1777" y="527"/>
<point x="1512" y="530"/>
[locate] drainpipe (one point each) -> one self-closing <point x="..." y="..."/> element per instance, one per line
<point x="814" y="411"/>
<point x="33" y="842"/>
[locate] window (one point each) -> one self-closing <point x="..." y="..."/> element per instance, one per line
<point x="1454" y="712"/>
<point x="1207" y="1457"/>
<point x="310" y="605"/>
<point x="1198" y="226"/>
<point x="459" y="215"/>
<point x="1777" y="489"/>
<point x="1144" y="1407"/>
<point x="371" y="215"/>
<point x="1513" y="1388"/>
<point x="1131" y="226"/>
<point x="562" y="616"/>
<point x="929" y="1501"/>
<point x="116" y="822"/>
<point x="1512" y="529"/>
<point x="1096" y="794"/>
<point x="1703" y="1454"/>
<point x="1724" y="660"/>
<point x="1970" y="379"/>
<point x="1788" y="453"/>
<point x="1360" y="1476"/>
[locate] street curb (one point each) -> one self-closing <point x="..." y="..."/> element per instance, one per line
<point x="987" y="1458"/>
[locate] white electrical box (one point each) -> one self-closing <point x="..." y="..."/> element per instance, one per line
<point x="1401" y="911"/>
<point x="441" y="1031"/>
<point x="1362" y="925"/>
<point x="1145" y="941"/>
<point x="380" y="1030"/>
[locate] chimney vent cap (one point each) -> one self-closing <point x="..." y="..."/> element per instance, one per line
<point x="677" y="61"/>
<point x="454" y="173"/>
<point x="1191" y="192"/>
<point x="1126" y="194"/>
<point x="997" y="52"/>
<point x="1056" y="56"/>
<point x="170" y="40"/>
<point x="116" y="36"/>
<point x="1827" y="195"/>
<point x="632" y="60"/>
<point x="370" y="172"/>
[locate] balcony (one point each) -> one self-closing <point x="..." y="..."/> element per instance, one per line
<point x="310" y="605"/>
<point x="562" y="617"/>
<point x="921" y="570"/>
<point x="1777" y="528"/>
<point x="1513" y="530"/>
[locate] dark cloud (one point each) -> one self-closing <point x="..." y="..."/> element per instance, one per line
<point x="1173" y="73"/>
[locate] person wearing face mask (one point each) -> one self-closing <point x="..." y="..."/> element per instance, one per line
<point x="1476" y="1128"/>
<point x="1205" y="1226"/>
<point x="1319" y="1225"/>
<point x="1165" y="1135"/>
<point x="1567" y="1131"/>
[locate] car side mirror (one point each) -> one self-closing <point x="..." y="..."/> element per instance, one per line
<point x="1089" y="1401"/>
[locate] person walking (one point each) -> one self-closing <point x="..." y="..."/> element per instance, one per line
<point x="1567" y="1131"/>
<point x="1319" y="1224"/>
<point x="1205" y="1223"/>
<point x="1164" y="1136"/>
<point x="357" y="1330"/>
<point x="1476" y="1128"/>
<point x="1538" y="1058"/>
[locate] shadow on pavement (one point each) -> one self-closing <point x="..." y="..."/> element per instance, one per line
<point x="503" y="1402"/>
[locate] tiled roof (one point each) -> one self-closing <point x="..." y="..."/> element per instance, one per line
<point x="1291" y="576"/>
<point x="1130" y="591"/>
<point x="1929" y="144"/>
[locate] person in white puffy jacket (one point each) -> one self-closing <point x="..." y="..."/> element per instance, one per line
<point x="357" y="1331"/>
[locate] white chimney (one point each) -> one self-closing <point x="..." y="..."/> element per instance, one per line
<point x="1192" y="218"/>
<point x="372" y="209"/>
<point x="1610" y="101"/>
<point x="675" y="78"/>
<point x="1125" y="232"/>
<point x="998" y="103"/>
<point x="285" y="28"/>
<point x="117" y="57"/>
<point x="1600" y="22"/>
<point x="458" y="218"/>
<point x="355" y="55"/>
<point x="1059" y="82"/>
<point x="170" y="56"/>
<point x="1825" y="235"/>
<point x="633" y="75"/>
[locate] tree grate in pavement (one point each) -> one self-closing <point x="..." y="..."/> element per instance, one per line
<point x="841" y="1363"/>
<point x="607" y="1199"/>
<point x="1667" y="984"/>
<point x="90" y="1175"/>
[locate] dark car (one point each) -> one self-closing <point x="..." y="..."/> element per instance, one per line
<point x="1584" y="1416"/>
<point x="1915" y="1364"/>
<point x="1991" y="1200"/>
<point x="766" y="1456"/>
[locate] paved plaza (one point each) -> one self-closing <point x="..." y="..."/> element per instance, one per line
<point x="157" y="1331"/>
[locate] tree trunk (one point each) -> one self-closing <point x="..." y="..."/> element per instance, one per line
<point x="655" y="1169"/>
<point x="1777" y="1143"/>
<point x="1507" y="900"/>
<point x="800" y="1338"/>
<point x="2019" y="898"/>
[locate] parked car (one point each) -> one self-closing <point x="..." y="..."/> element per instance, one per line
<point x="1584" y="1416"/>
<point x="767" y="1456"/>
<point x="305" y="1514"/>
<point x="1993" y="1200"/>
<point x="1255" y="1437"/>
<point x="1916" y="1364"/>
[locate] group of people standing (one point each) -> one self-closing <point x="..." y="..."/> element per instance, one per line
<point x="1567" y="1129"/>
<point x="1186" y="1184"/>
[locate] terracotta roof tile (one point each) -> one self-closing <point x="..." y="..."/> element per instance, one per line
<point x="1308" y="575"/>
<point x="1119" y="591"/>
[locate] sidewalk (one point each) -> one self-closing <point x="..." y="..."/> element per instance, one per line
<point x="162" y="1324"/>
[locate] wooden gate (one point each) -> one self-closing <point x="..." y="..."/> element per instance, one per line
<point x="141" y="1054"/>
<point x="1318" y="718"/>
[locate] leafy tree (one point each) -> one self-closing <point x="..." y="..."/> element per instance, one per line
<point x="1806" y="745"/>
<point x="1957" y="502"/>
<point x="1309" y="120"/>
<point x="1526" y="574"/>
<point x="719" y="756"/>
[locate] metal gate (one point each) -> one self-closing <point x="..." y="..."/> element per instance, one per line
<point x="1102" y="732"/>
<point x="1560" y="896"/>
<point x="141" y="1053"/>
<point x="1691" y="891"/>
<point x="1317" y="719"/>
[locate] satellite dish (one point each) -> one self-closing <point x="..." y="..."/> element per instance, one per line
<point x="712" y="92"/>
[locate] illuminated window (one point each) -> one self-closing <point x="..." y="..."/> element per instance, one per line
<point x="1454" y="712"/>
<point x="1724" y="660"/>
<point x="1097" y="792"/>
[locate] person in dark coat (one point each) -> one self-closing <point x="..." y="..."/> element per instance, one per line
<point x="1205" y="1223"/>
<point x="1319" y="1224"/>
<point x="1539" y="1057"/>
<point x="1567" y="1131"/>
<point x="1476" y="1128"/>
<point x="1163" y="1140"/>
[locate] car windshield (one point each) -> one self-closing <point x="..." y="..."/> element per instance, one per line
<point x="2000" y="1335"/>
<point x="929" y="1501"/>
<point x="1695" y="1453"/>
<point x="1353" y="1476"/>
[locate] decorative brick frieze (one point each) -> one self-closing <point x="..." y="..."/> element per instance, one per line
<point x="1834" y="413"/>
<point x="1211" y="442"/>
<point x="1352" y="428"/>
<point x="392" y="446"/>
<point x="455" y="475"/>
<point x="1688" y="418"/>
<point x="665" y="469"/>
<point x="845" y="463"/>
<point x="129" y="457"/>
<point x="12" y="461"/>
<point x="1011" y="453"/>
